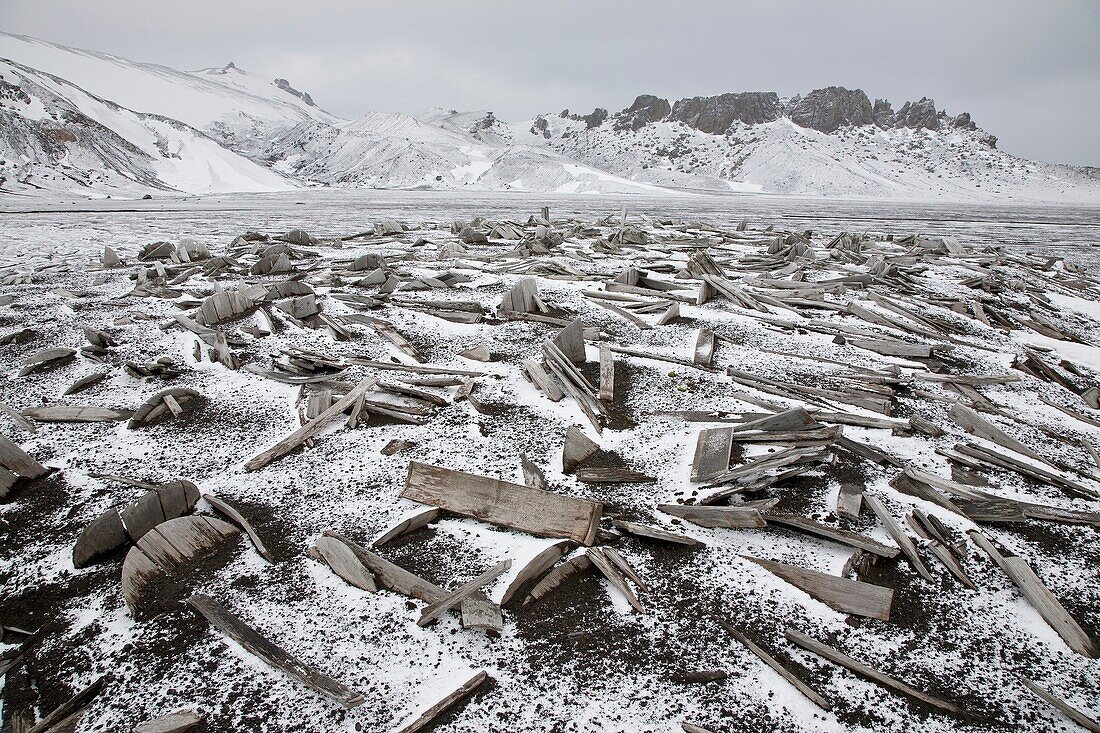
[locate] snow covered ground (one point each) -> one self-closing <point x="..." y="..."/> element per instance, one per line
<point x="580" y="660"/>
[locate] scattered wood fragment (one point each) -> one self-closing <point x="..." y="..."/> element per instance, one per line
<point x="425" y="719"/>
<point x="1063" y="707"/>
<point x="842" y="536"/>
<point x="434" y="610"/>
<point x="344" y="563"/>
<point x="898" y="534"/>
<point x="535" y="569"/>
<point x="655" y="533"/>
<point x="410" y="524"/>
<point x="233" y="627"/>
<point x="65" y="716"/>
<point x="613" y="571"/>
<point x="813" y="695"/>
<point x="229" y="511"/>
<point x="557" y="576"/>
<point x="578" y="448"/>
<point x="156" y="407"/>
<point x="178" y="721"/>
<point x="716" y="516"/>
<point x="499" y="502"/>
<point x="847" y="596"/>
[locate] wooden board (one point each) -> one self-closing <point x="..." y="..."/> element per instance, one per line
<point x="345" y="563"/>
<point x="716" y="516"/>
<point x="578" y="448"/>
<point x="704" y="347"/>
<point x="435" y="609"/>
<point x="1064" y="707"/>
<point x="19" y="462"/>
<point x="841" y="594"/>
<point x="229" y="624"/>
<point x="426" y="718"/>
<point x="838" y="657"/>
<point x="842" y="536"/>
<point x="178" y="721"/>
<point x="849" y="499"/>
<point x="898" y="534"/>
<point x="607" y="374"/>
<point x="535" y="568"/>
<point x="226" y="509"/>
<point x="511" y="505"/>
<point x="409" y="524"/>
<point x="712" y="453"/>
<point x="76" y="413"/>
<point x="785" y="673"/>
<point x="655" y="533"/>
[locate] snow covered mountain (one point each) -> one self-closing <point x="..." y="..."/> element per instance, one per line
<point x="97" y="124"/>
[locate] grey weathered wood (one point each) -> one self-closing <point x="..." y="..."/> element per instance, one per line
<point x="415" y="368"/>
<point x="532" y="474"/>
<point x="704" y="347"/>
<point x="409" y="524"/>
<point x="178" y="721"/>
<point x="542" y="380"/>
<point x="557" y="576"/>
<point x="1002" y="460"/>
<point x="889" y="347"/>
<point x="898" y="534"/>
<point x="310" y="429"/>
<point x="46" y="358"/>
<point x="154" y="407"/>
<point x="842" y="536"/>
<point x="426" y="718"/>
<point x="19" y="461"/>
<point x="838" y="657"/>
<point x="1033" y="589"/>
<point x="712" y="453"/>
<point x="345" y="563"/>
<point x="104" y="534"/>
<point x="228" y="510"/>
<point x="142" y="515"/>
<point x="814" y="696"/>
<point x="844" y="595"/>
<point x="614" y="575"/>
<point x="607" y="475"/>
<point x="789" y="420"/>
<point x="974" y="423"/>
<point x="578" y="448"/>
<point x="715" y="516"/>
<point x="229" y="624"/>
<point x="692" y="728"/>
<point x="69" y="711"/>
<point x="849" y="499"/>
<point x="1062" y="706"/>
<point x="535" y="569"/>
<point x="390" y="576"/>
<point x="530" y="510"/>
<point x="481" y="614"/>
<point x="435" y="609"/>
<point x="607" y="374"/>
<point x="655" y="533"/>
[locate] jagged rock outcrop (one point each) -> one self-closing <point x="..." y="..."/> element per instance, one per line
<point x="646" y="108"/>
<point x="715" y="114"/>
<point x="831" y="108"/>
<point x="883" y="113"/>
<point x="918" y="115"/>
<point x="596" y="118"/>
<point x="285" y="86"/>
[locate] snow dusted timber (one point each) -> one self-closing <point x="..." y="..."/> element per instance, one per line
<point x="93" y="124"/>
<point x="620" y="473"/>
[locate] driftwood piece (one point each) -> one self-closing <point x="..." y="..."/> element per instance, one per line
<point x="310" y="429"/>
<point x="849" y="499"/>
<point x="557" y="576"/>
<point x="390" y="576"/>
<point x="409" y="524"/>
<point x="898" y="534"/>
<point x="155" y="407"/>
<point x="716" y="516"/>
<point x="117" y="525"/>
<point x="578" y="448"/>
<point x="435" y="609"/>
<point x="481" y="614"/>
<point x="19" y="462"/>
<point x="704" y="348"/>
<point x="499" y="502"/>
<point x="842" y="536"/>
<point x="712" y="453"/>
<point x="1064" y="707"/>
<point x="233" y="627"/>
<point x="655" y="533"/>
<point x="76" y="413"/>
<point x="837" y="657"/>
<point x="228" y="510"/>
<point x="65" y="716"/>
<point x="1039" y="596"/>
<point x="178" y="721"/>
<point x="607" y="374"/>
<point x="426" y="718"/>
<point x="542" y="380"/>
<point x="614" y="574"/>
<point x="813" y="695"/>
<point x="345" y="563"/>
<point x="532" y="474"/>
<point x="974" y="423"/>
<point x="46" y="359"/>
<point x="610" y="475"/>
<point x="844" y="595"/>
<point x="535" y="569"/>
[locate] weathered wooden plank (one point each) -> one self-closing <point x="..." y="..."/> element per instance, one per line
<point x="614" y="574"/>
<point x="345" y="563"/>
<point x="541" y="379"/>
<point x="415" y="368"/>
<point x="68" y="711"/>
<point x="481" y="614"/>
<point x="609" y="475"/>
<point x="530" y="510"/>
<point x="1062" y="706"/>
<point x="310" y="429"/>
<point x="578" y="448"/>
<point x="1039" y="596"/>
<point x="607" y="374"/>
<point x="76" y="413"/>
<point x="532" y="474"/>
<point x="712" y="453"/>
<point x="704" y="348"/>
<point x="898" y="534"/>
<point x="178" y="721"/>
<point x="557" y="576"/>
<point x="409" y="524"/>
<point x="435" y="609"/>
<point x="655" y="533"/>
<point x="19" y="461"/>
<point x="795" y="419"/>
<point x="844" y="595"/>
<point x="974" y="423"/>
<point x="535" y="569"/>
<point x="390" y="576"/>
<point x="715" y="516"/>
<point x="842" y="536"/>
<point x="838" y="657"/>
<point x="228" y="510"/>
<point x="229" y="624"/>
<point x="849" y="499"/>
<point x="814" y="696"/>
<point x="426" y="718"/>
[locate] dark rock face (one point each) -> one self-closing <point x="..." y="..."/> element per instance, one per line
<point x="917" y="115"/>
<point x="831" y="108"/>
<point x="963" y="121"/>
<point x="646" y="108"/>
<point x="714" y="115"/>
<point x="596" y="118"/>
<point x="285" y="86"/>
<point x="883" y="114"/>
<point x="541" y="127"/>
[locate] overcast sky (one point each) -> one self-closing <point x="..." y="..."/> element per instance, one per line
<point x="1028" y="71"/>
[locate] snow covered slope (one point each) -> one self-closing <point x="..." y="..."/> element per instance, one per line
<point x="831" y="143"/>
<point x="56" y="136"/>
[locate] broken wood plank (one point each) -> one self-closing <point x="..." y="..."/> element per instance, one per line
<point x="715" y="516"/>
<point x="844" y="595"/>
<point x="898" y="534"/>
<point x="704" y="348"/>
<point x="228" y="510"/>
<point x="849" y="499"/>
<point x="310" y="429"/>
<point x="607" y="374"/>
<point x="535" y="568"/>
<point x="557" y="576"/>
<point x="345" y="563"/>
<point x="390" y="576"/>
<point x="1062" y="706"/>
<point x="612" y="571"/>
<point x="65" y="716"/>
<point x="655" y="533"/>
<point x="426" y="718"/>
<point x="434" y="610"/>
<point x="178" y="721"/>
<point x="529" y="510"/>
<point x="712" y="453"/>
<point x="233" y="627"/>
<point x="813" y="695"/>
<point x="410" y="524"/>
<point x="578" y="448"/>
<point x="842" y="536"/>
<point x="837" y="657"/>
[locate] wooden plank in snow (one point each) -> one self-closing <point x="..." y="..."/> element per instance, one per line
<point x="844" y="595"/>
<point x="712" y="453"/>
<point x="716" y="516"/>
<point x="519" y="507"/>
<point x="780" y="668"/>
<point x="435" y="609"/>
<point x="426" y="718"/>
